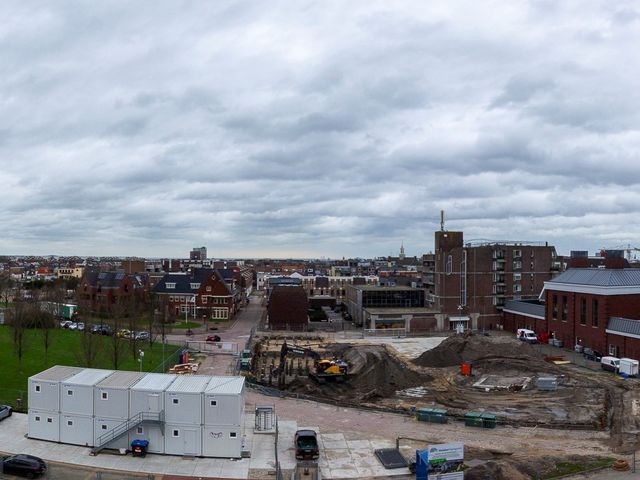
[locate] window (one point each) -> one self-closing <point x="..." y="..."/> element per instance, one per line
<point x="233" y="434"/>
<point x="171" y="285"/>
<point x="70" y="423"/>
<point x="140" y="430"/>
<point x="104" y="396"/>
<point x="171" y="298"/>
<point x="176" y="433"/>
<point x="594" y="312"/>
<point x="103" y="426"/>
<point x="49" y="420"/>
<point x="517" y="265"/>
<point x="204" y="300"/>
<point x="614" y="351"/>
<point x="554" y="307"/>
<point x="175" y="401"/>
<point x="517" y="253"/>
<point x="565" y="308"/>
<point x="449" y="264"/>
<point x="517" y="287"/>
<point x="195" y="286"/>
<point x="213" y="403"/>
<point x="208" y="288"/>
<point x="37" y="388"/>
<point x="583" y="311"/>
<point x="70" y="393"/>
<point x="517" y="277"/>
<point x="532" y="266"/>
<point x="37" y="419"/>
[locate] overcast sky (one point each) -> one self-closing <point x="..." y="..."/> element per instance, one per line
<point x="316" y="128"/>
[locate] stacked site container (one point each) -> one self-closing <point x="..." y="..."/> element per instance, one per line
<point x="183" y="415"/>
<point x="44" y="402"/>
<point x="76" y="406"/>
<point x="223" y="413"/>
<point x="111" y="405"/>
<point x="147" y="395"/>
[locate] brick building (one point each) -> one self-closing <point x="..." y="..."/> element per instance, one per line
<point x="99" y="291"/>
<point x="288" y="308"/>
<point x="472" y="282"/>
<point x="198" y="294"/>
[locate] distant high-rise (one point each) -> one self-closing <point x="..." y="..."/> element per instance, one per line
<point x="198" y="253"/>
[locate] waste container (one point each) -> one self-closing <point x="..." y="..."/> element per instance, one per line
<point x="473" y="419"/>
<point x="139" y="448"/>
<point x="488" y="420"/>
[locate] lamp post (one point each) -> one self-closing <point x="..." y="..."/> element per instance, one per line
<point x="460" y="326"/>
<point x="140" y="357"/>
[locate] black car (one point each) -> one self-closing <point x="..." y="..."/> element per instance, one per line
<point x="24" y="465"/>
<point x="102" y="329"/>
<point x="590" y="354"/>
<point x="306" y="443"/>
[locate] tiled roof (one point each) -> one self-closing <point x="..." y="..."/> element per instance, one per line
<point x="624" y="326"/>
<point x="532" y="307"/>
<point x="183" y="281"/>
<point x="600" y="277"/>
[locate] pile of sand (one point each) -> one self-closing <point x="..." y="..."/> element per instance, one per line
<point x="472" y="348"/>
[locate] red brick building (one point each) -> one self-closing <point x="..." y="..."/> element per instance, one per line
<point x="288" y="308"/>
<point x="471" y="283"/>
<point x="99" y="291"/>
<point x="201" y="293"/>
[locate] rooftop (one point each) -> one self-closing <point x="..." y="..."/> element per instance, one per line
<point x="600" y="277"/>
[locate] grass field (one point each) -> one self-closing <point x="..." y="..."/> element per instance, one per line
<point x="64" y="349"/>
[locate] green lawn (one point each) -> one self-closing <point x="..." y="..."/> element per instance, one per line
<point x="65" y="349"/>
<point x="186" y="325"/>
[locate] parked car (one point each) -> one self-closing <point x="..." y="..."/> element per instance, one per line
<point x="24" y="465"/>
<point x="306" y="443"/>
<point x="65" y="323"/>
<point x="102" y="330"/>
<point x="5" y="411"/>
<point x="611" y="364"/>
<point x="124" y="333"/>
<point x="213" y="338"/>
<point x="590" y="354"/>
<point x="80" y="327"/>
<point x="73" y="326"/>
<point x="142" y="336"/>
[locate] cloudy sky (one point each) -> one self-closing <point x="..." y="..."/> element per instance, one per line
<point x="314" y="129"/>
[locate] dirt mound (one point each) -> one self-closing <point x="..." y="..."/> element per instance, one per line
<point x="496" y="471"/>
<point x="472" y="348"/>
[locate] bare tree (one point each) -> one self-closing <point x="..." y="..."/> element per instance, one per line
<point x="6" y="288"/>
<point x="117" y="315"/>
<point x="18" y="321"/>
<point x="90" y="344"/>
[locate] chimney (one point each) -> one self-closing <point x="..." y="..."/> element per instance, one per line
<point x="579" y="259"/>
<point x="614" y="259"/>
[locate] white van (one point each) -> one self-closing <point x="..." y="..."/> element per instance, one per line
<point x="611" y="364"/>
<point x="629" y="366"/>
<point x="527" y="335"/>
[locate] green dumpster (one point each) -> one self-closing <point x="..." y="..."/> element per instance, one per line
<point x="423" y="414"/>
<point x="473" y="419"/>
<point x="488" y="420"/>
<point x="438" y="415"/>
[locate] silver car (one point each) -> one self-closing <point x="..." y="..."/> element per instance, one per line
<point x="5" y="411"/>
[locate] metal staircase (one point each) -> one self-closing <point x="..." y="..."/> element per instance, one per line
<point x="143" y="417"/>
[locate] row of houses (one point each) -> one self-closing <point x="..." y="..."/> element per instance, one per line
<point x="176" y="414"/>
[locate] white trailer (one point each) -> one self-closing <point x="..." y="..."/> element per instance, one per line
<point x="76" y="393"/>
<point x="76" y="429"/>
<point x="629" y="366"/>
<point x="181" y="439"/>
<point x="44" y="388"/>
<point x="44" y="425"/>
<point x="223" y="401"/>
<point x="111" y="395"/>
<point x="183" y="400"/>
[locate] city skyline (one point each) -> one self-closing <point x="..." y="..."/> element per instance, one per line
<point x="307" y="131"/>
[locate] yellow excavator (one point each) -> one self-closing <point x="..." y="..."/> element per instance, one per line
<point x="325" y="369"/>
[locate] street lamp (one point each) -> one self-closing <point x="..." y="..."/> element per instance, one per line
<point x="460" y="326"/>
<point x="140" y="357"/>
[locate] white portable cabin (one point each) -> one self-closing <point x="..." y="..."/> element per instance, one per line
<point x="148" y="396"/>
<point x="629" y="366"/>
<point x="44" y="425"/>
<point x="222" y="441"/>
<point x="183" y="400"/>
<point x="111" y="395"/>
<point x="223" y="401"/>
<point x="44" y="388"/>
<point x="76" y="393"/>
<point x="76" y="429"/>
<point x="102" y="426"/>
<point x="183" y="439"/>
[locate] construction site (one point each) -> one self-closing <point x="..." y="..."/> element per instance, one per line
<point x="462" y="376"/>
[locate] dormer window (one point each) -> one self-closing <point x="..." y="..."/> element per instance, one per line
<point x="195" y="286"/>
<point x="171" y="285"/>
